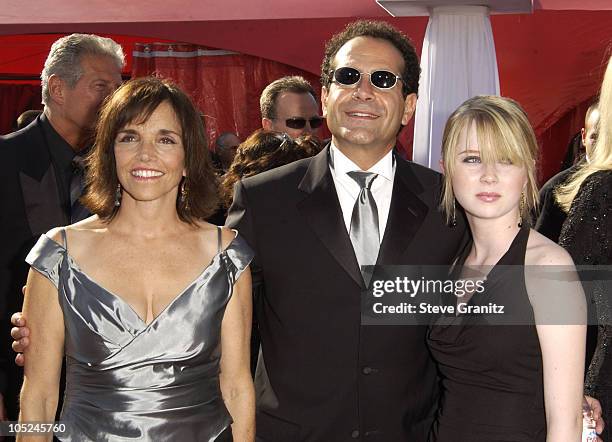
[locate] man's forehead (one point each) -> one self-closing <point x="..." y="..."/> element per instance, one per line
<point x="296" y="103"/>
<point x="370" y="52"/>
<point x="100" y="65"/>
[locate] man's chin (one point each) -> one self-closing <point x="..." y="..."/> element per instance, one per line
<point x="356" y="137"/>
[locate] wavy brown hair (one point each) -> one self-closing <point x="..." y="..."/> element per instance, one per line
<point x="134" y="102"/>
<point x="264" y="150"/>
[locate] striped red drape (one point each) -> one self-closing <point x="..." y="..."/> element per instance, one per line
<point x="225" y="86"/>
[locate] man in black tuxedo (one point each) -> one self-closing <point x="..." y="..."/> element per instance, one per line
<point x="321" y="375"/>
<point x="39" y="182"/>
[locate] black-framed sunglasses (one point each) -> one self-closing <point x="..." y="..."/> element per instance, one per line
<point x="380" y="79"/>
<point x="300" y="123"/>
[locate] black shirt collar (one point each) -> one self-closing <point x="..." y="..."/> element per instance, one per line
<point x="59" y="148"/>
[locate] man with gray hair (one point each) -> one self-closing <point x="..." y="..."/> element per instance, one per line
<point x="40" y="179"/>
<point x="289" y="105"/>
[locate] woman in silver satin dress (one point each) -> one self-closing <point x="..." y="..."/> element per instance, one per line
<point x="142" y="296"/>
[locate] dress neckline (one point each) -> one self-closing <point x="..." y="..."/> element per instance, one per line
<point x="76" y="267"/>
<point x="519" y="239"/>
<point x="521" y="235"/>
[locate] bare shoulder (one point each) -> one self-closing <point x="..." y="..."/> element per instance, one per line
<point x="543" y="251"/>
<point x="88" y="230"/>
<point x="79" y="232"/>
<point x="74" y="230"/>
<point x="209" y="233"/>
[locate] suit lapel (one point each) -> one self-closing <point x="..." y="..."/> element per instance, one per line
<point x="38" y="181"/>
<point x="321" y="209"/>
<point x="33" y="156"/>
<point x="406" y="214"/>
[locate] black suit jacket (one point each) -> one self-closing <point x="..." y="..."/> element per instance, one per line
<point x="31" y="205"/>
<point x="322" y="376"/>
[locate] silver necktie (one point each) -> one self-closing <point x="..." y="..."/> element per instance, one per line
<point x="364" y="223"/>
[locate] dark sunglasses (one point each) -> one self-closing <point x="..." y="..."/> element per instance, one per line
<point x="300" y="123"/>
<point x="347" y="76"/>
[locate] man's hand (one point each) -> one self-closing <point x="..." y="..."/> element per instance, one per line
<point x="20" y="335"/>
<point x="596" y="410"/>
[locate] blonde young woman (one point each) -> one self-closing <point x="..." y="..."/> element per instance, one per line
<point x="150" y="304"/>
<point x="505" y="382"/>
<point x="587" y="236"/>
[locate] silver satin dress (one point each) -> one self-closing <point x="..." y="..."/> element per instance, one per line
<point x="129" y="381"/>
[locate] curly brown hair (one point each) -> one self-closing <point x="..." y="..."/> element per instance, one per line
<point x="383" y="31"/>
<point x="135" y="101"/>
<point x="264" y="150"/>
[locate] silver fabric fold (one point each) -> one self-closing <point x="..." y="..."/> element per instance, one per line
<point x="129" y="381"/>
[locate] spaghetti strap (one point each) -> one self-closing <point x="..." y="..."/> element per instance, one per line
<point x="218" y="239"/>
<point x="64" y="240"/>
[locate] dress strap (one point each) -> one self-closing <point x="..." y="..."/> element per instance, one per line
<point x="218" y="239"/>
<point x="64" y="240"/>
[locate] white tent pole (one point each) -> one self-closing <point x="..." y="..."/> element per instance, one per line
<point x="458" y="62"/>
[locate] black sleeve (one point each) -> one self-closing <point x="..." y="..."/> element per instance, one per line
<point x="240" y="217"/>
<point x="587" y="232"/>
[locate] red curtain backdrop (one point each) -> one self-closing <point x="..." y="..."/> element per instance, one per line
<point x="15" y="99"/>
<point x="225" y="86"/>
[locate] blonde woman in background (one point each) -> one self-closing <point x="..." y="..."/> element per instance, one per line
<point x="587" y="236"/>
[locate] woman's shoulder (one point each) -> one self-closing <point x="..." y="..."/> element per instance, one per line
<point x="600" y="180"/>
<point x="542" y="251"/>
<point x="226" y="240"/>
<point x="81" y="231"/>
<point x="216" y="235"/>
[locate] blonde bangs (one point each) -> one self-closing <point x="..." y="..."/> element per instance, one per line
<point x="498" y="143"/>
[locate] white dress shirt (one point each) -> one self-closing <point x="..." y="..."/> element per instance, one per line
<point x="348" y="189"/>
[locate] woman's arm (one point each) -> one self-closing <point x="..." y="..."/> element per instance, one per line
<point x="39" y="394"/>
<point x="560" y="313"/>
<point x="235" y="378"/>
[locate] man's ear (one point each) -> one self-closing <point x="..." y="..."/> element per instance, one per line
<point x="266" y="123"/>
<point x="56" y="88"/>
<point x="409" y="107"/>
<point x="324" y="93"/>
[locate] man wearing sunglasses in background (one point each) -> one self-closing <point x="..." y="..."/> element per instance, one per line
<point x="321" y="375"/>
<point x="289" y="105"/>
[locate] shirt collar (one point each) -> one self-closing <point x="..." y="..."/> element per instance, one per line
<point x="343" y="164"/>
<point x="59" y="148"/>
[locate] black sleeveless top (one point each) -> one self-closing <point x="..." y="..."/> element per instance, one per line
<point x="491" y="373"/>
